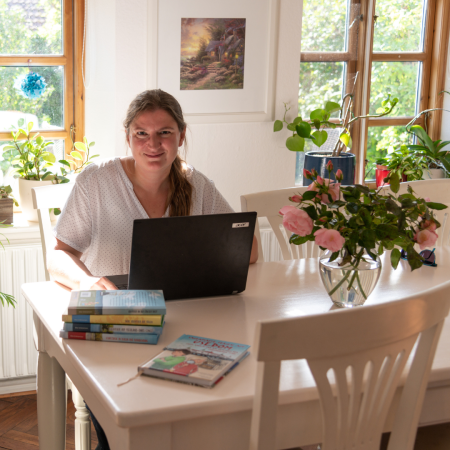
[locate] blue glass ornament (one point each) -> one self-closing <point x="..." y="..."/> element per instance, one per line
<point x="33" y="85"/>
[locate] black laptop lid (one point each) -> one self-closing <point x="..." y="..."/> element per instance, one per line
<point x="193" y="256"/>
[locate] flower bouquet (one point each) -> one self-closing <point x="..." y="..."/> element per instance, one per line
<point x="355" y="225"/>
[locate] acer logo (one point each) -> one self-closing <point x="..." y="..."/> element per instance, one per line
<point x="241" y="225"/>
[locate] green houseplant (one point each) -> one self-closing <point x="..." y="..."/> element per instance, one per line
<point x="35" y="166"/>
<point x="355" y="225"/>
<point x="314" y="129"/>
<point x="6" y="205"/>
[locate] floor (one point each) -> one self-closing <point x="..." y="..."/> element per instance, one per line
<point x="19" y="430"/>
<point x="18" y="423"/>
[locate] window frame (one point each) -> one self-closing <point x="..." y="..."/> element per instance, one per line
<point x="73" y="31"/>
<point x="434" y="60"/>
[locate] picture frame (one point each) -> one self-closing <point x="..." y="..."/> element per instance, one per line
<point x="255" y="102"/>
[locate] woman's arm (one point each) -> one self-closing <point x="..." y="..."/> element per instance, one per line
<point x="65" y="266"/>
<point x="254" y="254"/>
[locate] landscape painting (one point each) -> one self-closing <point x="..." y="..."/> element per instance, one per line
<point x="212" y="54"/>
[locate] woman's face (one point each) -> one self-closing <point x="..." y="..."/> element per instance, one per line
<point x="154" y="139"/>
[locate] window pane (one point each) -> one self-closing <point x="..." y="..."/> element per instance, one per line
<point x="46" y="112"/>
<point x="323" y="25"/>
<point x="381" y="141"/>
<point x="319" y="83"/>
<point x="398" y="79"/>
<point x="398" y="26"/>
<point x="32" y="27"/>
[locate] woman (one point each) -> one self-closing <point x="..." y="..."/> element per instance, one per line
<point x="93" y="234"/>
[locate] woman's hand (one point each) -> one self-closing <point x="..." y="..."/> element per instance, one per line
<point x="90" y="283"/>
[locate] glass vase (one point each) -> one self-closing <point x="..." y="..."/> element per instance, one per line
<point x="349" y="286"/>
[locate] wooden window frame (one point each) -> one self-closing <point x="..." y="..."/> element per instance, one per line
<point x="434" y="60"/>
<point x="71" y="60"/>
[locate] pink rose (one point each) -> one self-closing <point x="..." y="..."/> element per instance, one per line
<point x="296" y="220"/>
<point x="425" y="238"/>
<point x="333" y="189"/>
<point x="329" y="239"/>
<point x="428" y="225"/>
<point x="296" y="198"/>
<point x="329" y="166"/>
<point x="307" y="174"/>
<point x="339" y="175"/>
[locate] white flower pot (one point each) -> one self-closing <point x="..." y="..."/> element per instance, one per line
<point x="26" y="200"/>
<point x="432" y="174"/>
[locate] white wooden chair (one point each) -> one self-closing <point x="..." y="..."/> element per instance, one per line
<point x="437" y="190"/>
<point x="44" y="198"/>
<point x="372" y="343"/>
<point x="268" y="204"/>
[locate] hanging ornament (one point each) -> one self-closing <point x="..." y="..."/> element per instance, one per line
<point x="32" y="85"/>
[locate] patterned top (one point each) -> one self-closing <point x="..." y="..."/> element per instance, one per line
<point x="97" y="219"/>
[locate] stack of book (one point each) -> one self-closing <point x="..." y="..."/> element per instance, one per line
<point x="135" y="317"/>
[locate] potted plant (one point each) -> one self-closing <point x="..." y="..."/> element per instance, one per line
<point x="7" y="201"/>
<point x="355" y="225"/>
<point x="319" y="119"/>
<point x="401" y="163"/>
<point x="32" y="162"/>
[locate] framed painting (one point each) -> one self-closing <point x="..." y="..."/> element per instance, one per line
<point x="217" y="58"/>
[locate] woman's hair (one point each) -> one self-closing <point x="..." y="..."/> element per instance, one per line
<point x="180" y="195"/>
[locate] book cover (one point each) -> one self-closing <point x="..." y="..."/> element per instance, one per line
<point x="134" y="302"/>
<point x="195" y="360"/>
<point x="125" y="338"/>
<point x="113" y="329"/>
<point x="115" y="319"/>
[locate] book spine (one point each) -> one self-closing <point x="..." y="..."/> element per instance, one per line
<point x="106" y="337"/>
<point x="109" y="328"/>
<point x="115" y="319"/>
<point x="85" y="311"/>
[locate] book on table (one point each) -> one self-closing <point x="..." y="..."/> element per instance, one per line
<point x="111" y="328"/>
<point x="145" y="319"/>
<point x="127" y="302"/>
<point x="196" y="360"/>
<point x="108" y="337"/>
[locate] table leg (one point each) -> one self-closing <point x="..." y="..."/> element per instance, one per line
<point x="51" y="403"/>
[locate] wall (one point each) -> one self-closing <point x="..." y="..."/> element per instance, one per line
<point x="445" y="129"/>
<point x="240" y="157"/>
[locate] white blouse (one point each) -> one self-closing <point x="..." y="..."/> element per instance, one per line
<point x="97" y="219"/>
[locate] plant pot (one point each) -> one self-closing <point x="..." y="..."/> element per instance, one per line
<point x="319" y="160"/>
<point x="432" y="174"/>
<point x="6" y="210"/>
<point x="381" y="173"/>
<point x="26" y="200"/>
<point x="347" y="286"/>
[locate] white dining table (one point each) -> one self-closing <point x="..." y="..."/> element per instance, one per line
<point x="149" y="413"/>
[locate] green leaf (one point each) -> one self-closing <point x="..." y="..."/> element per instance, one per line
<point x="317" y="124"/>
<point x="311" y="211"/>
<point x="21" y="122"/>
<point x="319" y="114"/>
<point x="39" y="140"/>
<point x="94" y="156"/>
<point x="303" y="129"/>
<point x="331" y="107"/>
<point x="63" y="161"/>
<point x="299" y="240"/>
<point x="294" y="143"/>
<point x="392" y="207"/>
<point x="352" y="208"/>
<point x="309" y="195"/>
<point x="423" y="136"/>
<point x="297" y="120"/>
<point x="291" y="127"/>
<point x="77" y="155"/>
<point x="30" y="126"/>
<point x="46" y="174"/>
<point x="333" y="256"/>
<point x="277" y="126"/>
<point x="437" y="206"/>
<point x="80" y="146"/>
<point x="22" y="131"/>
<point x="394" y="182"/>
<point x="345" y="138"/>
<point x="50" y="157"/>
<point x="56" y="211"/>
<point x="321" y="137"/>
<point x="395" y="257"/>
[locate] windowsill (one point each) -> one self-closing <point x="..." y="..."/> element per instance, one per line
<point x="22" y="232"/>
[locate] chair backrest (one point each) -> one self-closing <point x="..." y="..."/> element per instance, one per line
<point x="438" y="191"/>
<point x="358" y="356"/>
<point x="44" y="198"/>
<point x="268" y="204"/>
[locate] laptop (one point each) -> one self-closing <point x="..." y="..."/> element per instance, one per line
<point x="192" y="256"/>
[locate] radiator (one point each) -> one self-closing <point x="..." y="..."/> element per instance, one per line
<point x="18" y="264"/>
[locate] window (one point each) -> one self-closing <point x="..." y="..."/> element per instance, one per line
<point x="372" y="48"/>
<point x="45" y="37"/>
